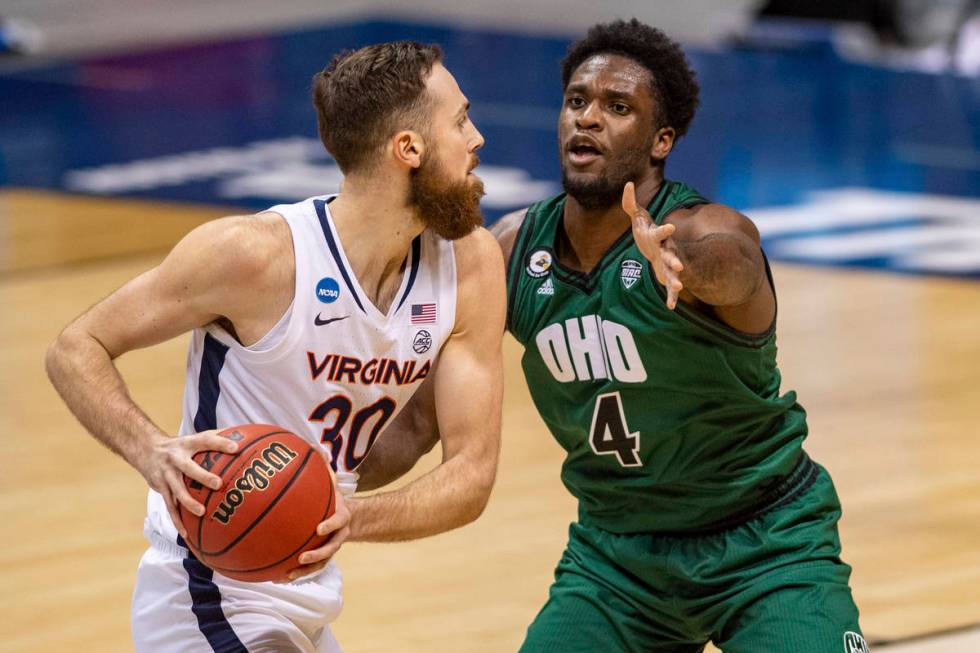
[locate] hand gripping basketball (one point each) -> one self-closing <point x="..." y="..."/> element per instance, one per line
<point x="170" y="460"/>
<point x="276" y="490"/>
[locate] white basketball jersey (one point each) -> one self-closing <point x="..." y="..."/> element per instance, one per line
<point x="334" y="370"/>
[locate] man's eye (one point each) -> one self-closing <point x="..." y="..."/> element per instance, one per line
<point x="576" y="102"/>
<point x="619" y="107"/>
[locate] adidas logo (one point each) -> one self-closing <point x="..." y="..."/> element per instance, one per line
<point x="547" y="288"/>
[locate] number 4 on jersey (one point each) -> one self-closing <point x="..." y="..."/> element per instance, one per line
<point x="610" y="434"/>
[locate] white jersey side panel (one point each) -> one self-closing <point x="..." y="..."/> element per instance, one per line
<point x="335" y="370"/>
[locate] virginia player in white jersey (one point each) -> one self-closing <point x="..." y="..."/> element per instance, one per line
<point x="325" y="317"/>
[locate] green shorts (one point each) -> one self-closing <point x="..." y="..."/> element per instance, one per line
<point x="775" y="584"/>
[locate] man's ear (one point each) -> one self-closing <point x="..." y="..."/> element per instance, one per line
<point x="663" y="143"/>
<point x="408" y="148"/>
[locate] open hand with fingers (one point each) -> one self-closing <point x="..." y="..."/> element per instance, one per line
<point x="656" y="244"/>
<point x="170" y="459"/>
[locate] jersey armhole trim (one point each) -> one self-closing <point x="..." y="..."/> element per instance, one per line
<point x="516" y="256"/>
<point x="717" y="328"/>
<point x="729" y="334"/>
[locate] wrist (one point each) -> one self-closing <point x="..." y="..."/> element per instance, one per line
<point x="356" y="508"/>
<point x="142" y="445"/>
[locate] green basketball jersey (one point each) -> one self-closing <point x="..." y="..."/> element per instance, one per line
<point x="672" y="421"/>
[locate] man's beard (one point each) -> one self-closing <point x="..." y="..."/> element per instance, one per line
<point x="450" y="208"/>
<point x="606" y="190"/>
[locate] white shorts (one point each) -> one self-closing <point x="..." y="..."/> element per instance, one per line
<point x="181" y="606"/>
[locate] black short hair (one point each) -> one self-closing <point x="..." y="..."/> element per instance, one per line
<point x="674" y="84"/>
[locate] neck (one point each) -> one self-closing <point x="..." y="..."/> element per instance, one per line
<point x="376" y="226"/>
<point x="590" y="232"/>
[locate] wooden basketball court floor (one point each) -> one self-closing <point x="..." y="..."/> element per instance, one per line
<point x="888" y="367"/>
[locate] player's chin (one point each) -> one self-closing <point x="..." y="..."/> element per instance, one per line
<point x="578" y="176"/>
<point x="590" y="170"/>
<point x="475" y="184"/>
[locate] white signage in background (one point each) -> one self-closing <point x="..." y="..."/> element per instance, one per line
<point x="910" y="232"/>
<point x="193" y="166"/>
<point x="505" y="187"/>
<point x="288" y="169"/>
<point x="906" y="231"/>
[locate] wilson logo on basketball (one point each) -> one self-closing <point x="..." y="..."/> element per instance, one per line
<point x="273" y="459"/>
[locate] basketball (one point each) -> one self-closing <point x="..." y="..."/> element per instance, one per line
<point x="275" y="491"/>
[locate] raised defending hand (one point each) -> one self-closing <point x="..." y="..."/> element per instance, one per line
<point x="656" y="244"/>
<point x="339" y="525"/>
<point x="170" y="459"/>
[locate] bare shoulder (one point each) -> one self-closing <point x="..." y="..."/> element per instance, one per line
<point x="255" y="240"/>
<point x="217" y="271"/>
<point x="239" y="267"/>
<point x="477" y="255"/>
<point x="505" y="230"/>
<point x="480" y="279"/>
<point x="240" y="247"/>
<point x="706" y="219"/>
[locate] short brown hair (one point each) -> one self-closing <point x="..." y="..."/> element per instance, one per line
<point x="362" y="95"/>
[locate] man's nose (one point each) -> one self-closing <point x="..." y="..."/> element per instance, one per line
<point x="590" y="117"/>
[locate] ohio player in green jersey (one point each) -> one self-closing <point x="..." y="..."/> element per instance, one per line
<point x="648" y="316"/>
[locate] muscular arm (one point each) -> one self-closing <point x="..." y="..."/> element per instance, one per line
<point x="199" y="281"/>
<point x="723" y="265"/>
<point x="415" y="431"/>
<point x="467" y="390"/>
<point x="720" y="251"/>
<point x="409" y="437"/>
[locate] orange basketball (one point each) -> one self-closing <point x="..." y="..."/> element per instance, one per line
<point x="275" y="491"/>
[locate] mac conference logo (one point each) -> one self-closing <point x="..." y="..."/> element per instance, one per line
<point x="854" y="643"/>
<point x="630" y="272"/>
<point x="328" y="290"/>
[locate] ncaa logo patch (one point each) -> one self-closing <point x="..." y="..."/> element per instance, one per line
<point x="539" y="262"/>
<point x="328" y="290"/>
<point x="422" y="342"/>
<point x="854" y="643"/>
<point x="630" y="272"/>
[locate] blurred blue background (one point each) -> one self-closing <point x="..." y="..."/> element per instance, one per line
<point x="789" y="130"/>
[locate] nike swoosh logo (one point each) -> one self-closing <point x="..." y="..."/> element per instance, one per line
<point x="319" y="322"/>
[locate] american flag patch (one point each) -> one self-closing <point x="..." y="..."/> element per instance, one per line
<point x="423" y="313"/>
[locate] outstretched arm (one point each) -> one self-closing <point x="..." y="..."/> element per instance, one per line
<point x="467" y="391"/>
<point x="709" y="254"/>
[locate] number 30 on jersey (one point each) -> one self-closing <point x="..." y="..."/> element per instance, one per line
<point x="351" y="449"/>
<point x="610" y="435"/>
